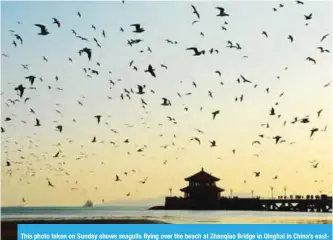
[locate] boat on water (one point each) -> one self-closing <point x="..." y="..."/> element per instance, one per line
<point x="89" y="203"/>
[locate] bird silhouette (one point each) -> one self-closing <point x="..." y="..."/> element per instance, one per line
<point x="151" y="70"/>
<point x="37" y="123"/>
<point x="20" y="88"/>
<point x="18" y="37"/>
<point x="264" y="33"/>
<point x="140" y="90"/>
<point x="324" y="37"/>
<point x="31" y="79"/>
<point x="196" y="52"/>
<point x="144" y="181"/>
<point x="322" y="50"/>
<point x="291" y="38"/>
<point x="59" y="128"/>
<point x="308" y="17"/>
<point x="87" y="51"/>
<point x="98" y="117"/>
<point x="255" y="142"/>
<point x="166" y="102"/>
<point x="272" y="112"/>
<point x="256" y="174"/>
<point x="222" y="12"/>
<point x="319" y="112"/>
<point x="313" y="130"/>
<point x="196" y="139"/>
<point x="43" y="30"/>
<point x="49" y="183"/>
<point x="55" y="21"/>
<point x="195" y="11"/>
<point x="277" y="139"/>
<point x="138" y="28"/>
<point x="215" y="113"/>
<point x="310" y="59"/>
<point x="212" y="143"/>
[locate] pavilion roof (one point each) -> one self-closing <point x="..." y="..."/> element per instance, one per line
<point x="202" y="177"/>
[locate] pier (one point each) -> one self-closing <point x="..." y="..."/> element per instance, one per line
<point x="203" y="194"/>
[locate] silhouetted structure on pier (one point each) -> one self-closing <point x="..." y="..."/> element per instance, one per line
<point x="203" y="194"/>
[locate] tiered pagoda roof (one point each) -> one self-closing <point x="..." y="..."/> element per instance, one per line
<point x="202" y="177"/>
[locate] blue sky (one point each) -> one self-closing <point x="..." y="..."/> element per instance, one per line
<point x="237" y="126"/>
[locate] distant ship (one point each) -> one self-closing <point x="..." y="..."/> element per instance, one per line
<point x="89" y="203"/>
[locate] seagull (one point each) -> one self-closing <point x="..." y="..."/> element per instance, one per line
<point x="290" y="38"/>
<point x="98" y="117"/>
<point x="196" y="139"/>
<point x="55" y="21"/>
<point x="43" y="30"/>
<point x="87" y="51"/>
<point x="257" y="174"/>
<point x="59" y="128"/>
<point x="195" y="11"/>
<point x="138" y="28"/>
<point x="245" y="80"/>
<point x="313" y="130"/>
<point x="196" y="52"/>
<point x="222" y="12"/>
<point x="79" y="14"/>
<point x="117" y="179"/>
<point x="311" y="59"/>
<point x="49" y="183"/>
<point x="272" y="112"/>
<point x="277" y="139"/>
<point x="319" y="112"/>
<point x="265" y="34"/>
<point x="151" y="70"/>
<point x="215" y="113"/>
<point x="166" y="102"/>
<point x="144" y="181"/>
<point x="37" y="123"/>
<point x="325" y="36"/>
<point x="299" y="2"/>
<point x="140" y="89"/>
<point x="315" y="165"/>
<point x="18" y="37"/>
<point x="20" y="88"/>
<point x="323" y="50"/>
<point x="212" y="143"/>
<point x="255" y="142"/>
<point x="308" y="17"/>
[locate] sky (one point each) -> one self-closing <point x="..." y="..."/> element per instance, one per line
<point x="86" y="170"/>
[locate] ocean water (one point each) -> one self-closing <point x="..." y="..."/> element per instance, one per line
<point x="174" y="216"/>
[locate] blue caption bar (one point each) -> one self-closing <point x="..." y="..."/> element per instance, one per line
<point x="174" y="231"/>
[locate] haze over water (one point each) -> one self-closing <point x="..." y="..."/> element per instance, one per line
<point x="87" y="170"/>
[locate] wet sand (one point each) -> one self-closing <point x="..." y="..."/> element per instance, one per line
<point x="9" y="228"/>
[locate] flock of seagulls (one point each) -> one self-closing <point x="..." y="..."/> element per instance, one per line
<point x="23" y="92"/>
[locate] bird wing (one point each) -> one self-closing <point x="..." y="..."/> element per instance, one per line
<point x="40" y="26"/>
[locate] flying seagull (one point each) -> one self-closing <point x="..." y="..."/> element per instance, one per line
<point x="222" y="12"/>
<point x="55" y="21"/>
<point x="43" y="30"/>
<point x="196" y="52"/>
<point x="87" y="51"/>
<point x="151" y="70"/>
<point x="195" y="11"/>
<point x="138" y="28"/>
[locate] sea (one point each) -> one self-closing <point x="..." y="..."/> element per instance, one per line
<point x="173" y="216"/>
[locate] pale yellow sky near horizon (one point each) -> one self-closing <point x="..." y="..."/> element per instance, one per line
<point x="236" y="127"/>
